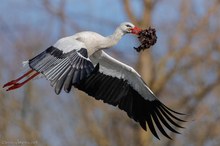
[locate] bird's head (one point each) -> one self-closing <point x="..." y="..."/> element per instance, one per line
<point x="128" y="27"/>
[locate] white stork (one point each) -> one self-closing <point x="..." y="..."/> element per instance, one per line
<point x="79" y="61"/>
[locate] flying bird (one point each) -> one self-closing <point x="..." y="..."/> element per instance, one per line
<point x="80" y="61"/>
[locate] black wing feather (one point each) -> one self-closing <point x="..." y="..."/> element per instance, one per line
<point x="119" y="93"/>
<point x="68" y="82"/>
<point x="59" y="84"/>
<point x="165" y="122"/>
<point x="160" y="127"/>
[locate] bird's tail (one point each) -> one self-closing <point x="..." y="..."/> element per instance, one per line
<point x="14" y="84"/>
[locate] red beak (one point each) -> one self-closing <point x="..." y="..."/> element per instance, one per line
<point x="136" y="30"/>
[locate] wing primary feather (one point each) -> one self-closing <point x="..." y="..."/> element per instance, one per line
<point x="60" y="83"/>
<point x="60" y="71"/>
<point x="59" y="63"/>
<point x="65" y="70"/>
<point x="165" y="122"/>
<point x="87" y="69"/>
<point x="55" y="69"/>
<point x="159" y="126"/>
<point x="172" y="110"/>
<point x="82" y="63"/>
<point x="82" y="74"/>
<point x="78" y="63"/>
<point x="76" y="76"/>
<point x="68" y="82"/>
<point x="42" y="62"/>
<point x="151" y="126"/>
<point x="48" y="65"/>
<point x="168" y="112"/>
<point x="143" y="124"/>
<point x="169" y="119"/>
<point x="49" y="68"/>
<point x="36" y="59"/>
<point x="74" y="60"/>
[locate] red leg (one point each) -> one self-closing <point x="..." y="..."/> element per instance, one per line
<point x="18" y="79"/>
<point x="18" y="85"/>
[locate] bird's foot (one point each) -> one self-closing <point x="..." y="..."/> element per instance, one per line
<point x="10" y="83"/>
<point x="15" y="86"/>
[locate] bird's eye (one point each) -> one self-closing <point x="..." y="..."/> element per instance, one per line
<point x="128" y="25"/>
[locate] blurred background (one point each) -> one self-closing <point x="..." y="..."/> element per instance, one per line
<point x="183" y="69"/>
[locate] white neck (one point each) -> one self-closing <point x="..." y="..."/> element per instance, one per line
<point x="113" y="39"/>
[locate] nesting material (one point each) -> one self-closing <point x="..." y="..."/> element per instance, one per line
<point x="147" y="39"/>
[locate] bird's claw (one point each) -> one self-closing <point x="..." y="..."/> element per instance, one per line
<point x="14" y="86"/>
<point x="13" y="82"/>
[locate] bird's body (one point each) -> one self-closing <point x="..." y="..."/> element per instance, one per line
<point x="80" y="61"/>
<point x="92" y="41"/>
<point x="80" y="40"/>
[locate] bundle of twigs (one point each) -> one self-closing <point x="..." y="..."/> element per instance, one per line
<point x="147" y="39"/>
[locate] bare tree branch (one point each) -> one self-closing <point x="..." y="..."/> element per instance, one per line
<point x="129" y="12"/>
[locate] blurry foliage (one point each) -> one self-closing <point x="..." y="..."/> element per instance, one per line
<point x="183" y="69"/>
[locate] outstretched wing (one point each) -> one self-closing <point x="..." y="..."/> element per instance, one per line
<point x="120" y="85"/>
<point x="63" y="64"/>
